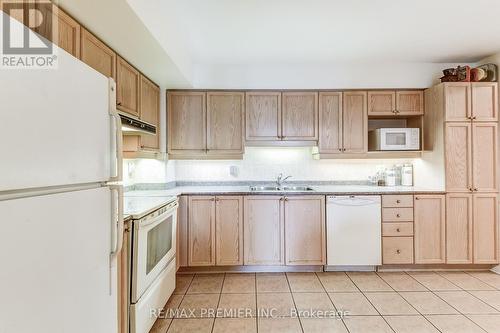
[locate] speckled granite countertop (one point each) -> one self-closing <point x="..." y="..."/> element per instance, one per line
<point x="318" y="189"/>
<point x="136" y="207"/>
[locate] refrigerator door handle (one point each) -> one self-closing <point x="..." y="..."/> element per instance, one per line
<point x="116" y="136"/>
<point x="117" y="223"/>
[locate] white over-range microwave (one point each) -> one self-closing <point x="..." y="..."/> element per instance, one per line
<point x="394" y="139"/>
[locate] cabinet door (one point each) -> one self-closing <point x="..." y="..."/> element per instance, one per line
<point x="410" y="102"/>
<point x="457" y="101"/>
<point x="182" y="232"/>
<point x="458" y="228"/>
<point x="305" y="230"/>
<point x="263" y="116"/>
<point x="381" y="103"/>
<point x="484" y="157"/>
<point x="150" y="112"/>
<point x="355" y="122"/>
<point x="97" y="55"/>
<point x="229" y="230"/>
<point x="67" y="29"/>
<point x="186" y="122"/>
<point x="225" y="122"/>
<point x="429" y="229"/>
<point x="263" y="231"/>
<point x="300" y="116"/>
<point x="458" y="156"/>
<point x="484" y="101"/>
<point x="201" y="231"/>
<point x="330" y="123"/>
<point x="485" y="229"/>
<point x="127" y="86"/>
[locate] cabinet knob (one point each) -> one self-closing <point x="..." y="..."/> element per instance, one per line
<point x="475" y="189"/>
<point x="344" y="149"/>
<point x="398" y="201"/>
<point x="473" y="118"/>
<point x="286" y="199"/>
<point x="283" y="136"/>
<point x="340" y="149"/>
<point x="398" y="251"/>
<point x="119" y="103"/>
<point x="398" y="230"/>
<point x="398" y="215"/>
<point x="281" y="199"/>
<point x="416" y="198"/>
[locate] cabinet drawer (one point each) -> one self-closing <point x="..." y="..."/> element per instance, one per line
<point x="397" y="229"/>
<point x="397" y="201"/>
<point x="397" y="250"/>
<point x="397" y="214"/>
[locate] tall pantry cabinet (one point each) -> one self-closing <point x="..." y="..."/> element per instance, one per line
<point x="469" y="145"/>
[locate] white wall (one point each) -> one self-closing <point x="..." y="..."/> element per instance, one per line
<point x="318" y="76"/>
<point x="264" y="164"/>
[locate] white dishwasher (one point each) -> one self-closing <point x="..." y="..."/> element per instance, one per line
<point x="353" y="232"/>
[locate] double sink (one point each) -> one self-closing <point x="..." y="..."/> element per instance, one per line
<point x="281" y="188"/>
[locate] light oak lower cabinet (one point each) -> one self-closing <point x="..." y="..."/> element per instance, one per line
<point x="305" y="230"/>
<point x="485" y="228"/>
<point x="201" y="231"/>
<point x="228" y="230"/>
<point x="264" y="236"/>
<point x="430" y="229"/>
<point x="459" y="216"/>
<point x="182" y="232"/>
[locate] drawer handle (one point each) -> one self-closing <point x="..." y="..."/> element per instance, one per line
<point x="398" y="201"/>
<point x="398" y="230"/>
<point x="398" y="251"/>
<point x="397" y="215"/>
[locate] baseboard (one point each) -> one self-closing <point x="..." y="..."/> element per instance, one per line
<point x="434" y="267"/>
<point x="249" y="269"/>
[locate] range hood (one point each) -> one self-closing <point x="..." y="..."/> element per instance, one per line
<point x="132" y="125"/>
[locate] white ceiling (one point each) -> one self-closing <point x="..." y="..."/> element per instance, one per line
<point x="328" y="31"/>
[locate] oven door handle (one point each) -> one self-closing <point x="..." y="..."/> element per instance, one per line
<point x="160" y="217"/>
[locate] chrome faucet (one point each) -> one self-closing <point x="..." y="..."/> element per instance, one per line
<point x="280" y="179"/>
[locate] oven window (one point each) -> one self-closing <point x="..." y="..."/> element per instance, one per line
<point x="159" y="243"/>
<point x="395" y="139"/>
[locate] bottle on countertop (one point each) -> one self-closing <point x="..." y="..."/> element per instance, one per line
<point x="407" y="175"/>
<point x="390" y="177"/>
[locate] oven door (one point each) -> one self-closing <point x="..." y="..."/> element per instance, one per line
<point x="154" y="247"/>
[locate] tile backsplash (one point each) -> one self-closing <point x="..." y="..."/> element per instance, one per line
<point x="262" y="164"/>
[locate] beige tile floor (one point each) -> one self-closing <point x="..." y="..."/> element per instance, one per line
<point x="413" y="302"/>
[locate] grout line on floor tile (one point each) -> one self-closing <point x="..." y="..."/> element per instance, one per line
<point x="331" y="301"/>
<point x="293" y="300"/>
<point x="218" y="302"/>
<point x="486" y="283"/>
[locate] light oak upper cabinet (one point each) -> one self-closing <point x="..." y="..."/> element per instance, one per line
<point x="457" y="103"/>
<point x="484" y="100"/>
<point x="355" y="122"/>
<point x="225" y="122"/>
<point x="429" y="224"/>
<point x="300" y="116"/>
<point x="330" y="123"/>
<point x="459" y="217"/>
<point x="68" y="30"/>
<point x="485" y="228"/>
<point x="458" y="156"/>
<point x="228" y="230"/>
<point x="485" y="156"/>
<point x="127" y="85"/>
<point x="201" y="228"/>
<point x="409" y="102"/>
<point x="97" y="55"/>
<point x="476" y="101"/>
<point x="396" y="103"/>
<point x="263" y="116"/>
<point x="150" y="112"/>
<point x="381" y="103"/>
<point x="186" y="123"/>
<point x="305" y="230"/>
<point x="264" y="238"/>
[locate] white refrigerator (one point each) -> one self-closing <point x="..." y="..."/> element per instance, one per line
<point x="60" y="206"/>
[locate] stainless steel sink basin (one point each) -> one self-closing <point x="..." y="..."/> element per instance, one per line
<point x="281" y="189"/>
